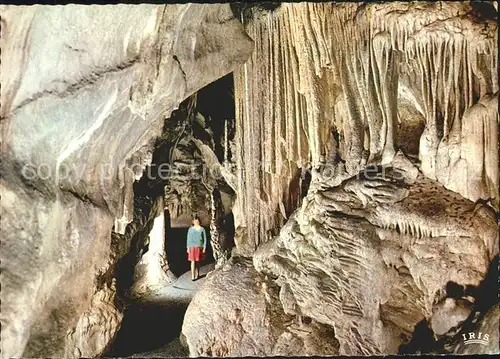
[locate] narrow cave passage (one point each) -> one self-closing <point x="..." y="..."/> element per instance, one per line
<point x="347" y="175"/>
<point x="153" y="324"/>
<point x="156" y="287"/>
<point x="152" y="327"/>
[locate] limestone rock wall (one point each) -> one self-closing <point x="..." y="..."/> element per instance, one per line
<point x="392" y="108"/>
<point x="84" y="91"/>
<point x="350" y="82"/>
<point x="356" y="268"/>
<point x="371" y="257"/>
<point x="489" y="325"/>
<point x="249" y="320"/>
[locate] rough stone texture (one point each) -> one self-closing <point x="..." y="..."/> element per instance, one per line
<point x="248" y="321"/>
<point x="371" y="257"/>
<point x="337" y="90"/>
<point x="96" y="327"/>
<point x="351" y="81"/>
<point x="489" y="325"/>
<point x="85" y="90"/>
<point x="330" y="89"/>
<point x="188" y="188"/>
<point x="449" y="314"/>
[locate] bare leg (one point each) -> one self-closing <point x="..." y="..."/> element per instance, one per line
<point x="193" y="267"/>
<point x="197" y="269"/>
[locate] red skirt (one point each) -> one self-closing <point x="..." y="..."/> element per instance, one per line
<point x="195" y="254"/>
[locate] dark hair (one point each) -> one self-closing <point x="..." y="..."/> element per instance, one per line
<point x="196" y="217"/>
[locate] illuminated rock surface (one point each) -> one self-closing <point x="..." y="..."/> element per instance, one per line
<point x="358" y="175"/>
<point x="336" y="90"/>
<point x="85" y="91"/>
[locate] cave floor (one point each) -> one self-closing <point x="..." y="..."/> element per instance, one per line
<point x="152" y="325"/>
<point x="180" y="291"/>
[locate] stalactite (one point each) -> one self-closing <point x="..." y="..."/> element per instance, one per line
<point x="320" y="66"/>
<point x="217" y="234"/>
<point x="452" y="86"/>
<point x="226" y="144"/>
<point x="470" y="166"/>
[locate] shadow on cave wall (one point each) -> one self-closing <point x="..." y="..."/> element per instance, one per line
<point x="423" y="340"/>
<point x="146" y="327"/>
<point x="247" y="10"/>
<point x="292" y="199"/>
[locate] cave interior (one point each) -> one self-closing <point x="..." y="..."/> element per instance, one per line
<point x="343" y="159"/>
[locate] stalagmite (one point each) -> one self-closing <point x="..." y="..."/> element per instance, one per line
<point x="87" y="88"/>
<point x="358" y="175"/>
<point x="150" y="273"/>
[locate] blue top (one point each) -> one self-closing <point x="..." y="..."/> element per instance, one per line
<point x="197" y="237"/>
